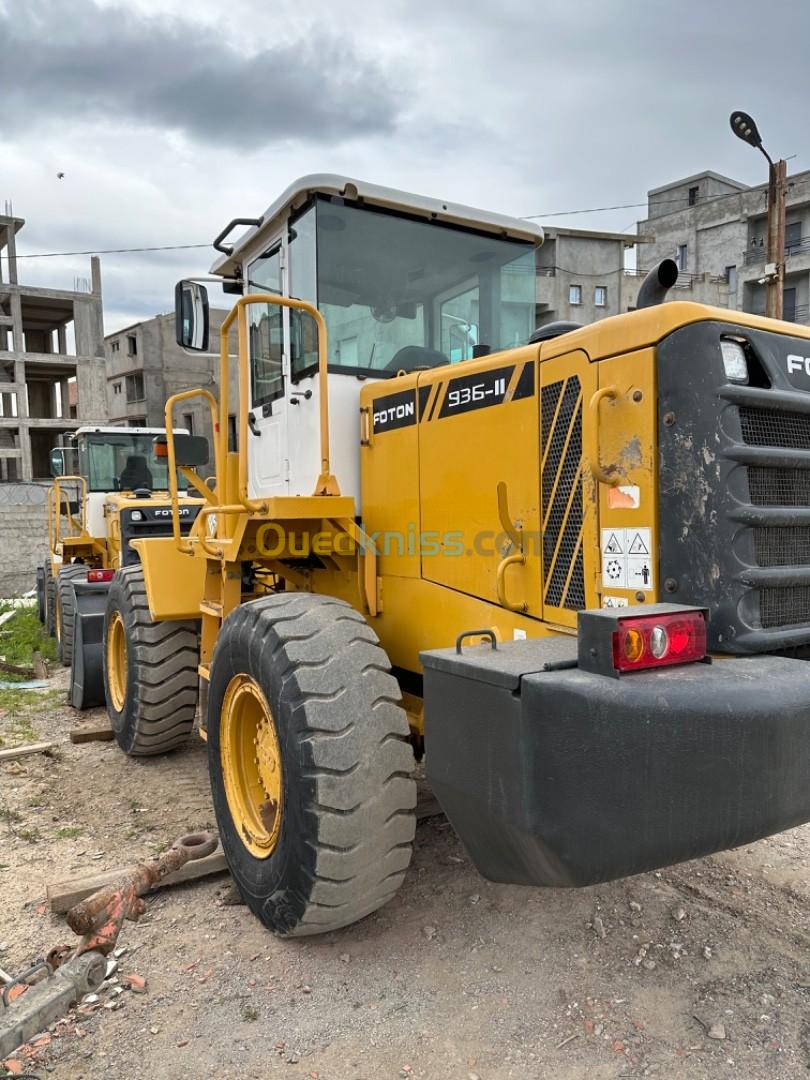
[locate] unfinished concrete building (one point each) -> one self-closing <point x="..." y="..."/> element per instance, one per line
<point x="51" y="351"/>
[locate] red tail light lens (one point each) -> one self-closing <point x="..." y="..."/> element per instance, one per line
<point x="656" y="641"/>
<point x="100" y="575"/>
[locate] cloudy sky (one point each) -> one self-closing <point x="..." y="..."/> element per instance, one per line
<point x="168" y="118"/>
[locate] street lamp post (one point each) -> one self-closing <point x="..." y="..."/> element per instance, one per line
<point x="745" y="128"/>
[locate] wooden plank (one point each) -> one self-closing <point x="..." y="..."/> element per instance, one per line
<point x="23" y="751"/>
<point x="62" y="895"/>
<point x="15" y="669"/>
<point x="86" y="733"/>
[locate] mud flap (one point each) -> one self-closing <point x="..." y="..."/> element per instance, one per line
<point x="555" y="776"/>
<point x="87" y="670"/>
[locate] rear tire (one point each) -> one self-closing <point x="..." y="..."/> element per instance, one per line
<point x="50" y="605"/>
<point x="150" y="670"/>
<point x="338" y="842"/>
<point x="43" y="573"/>
<point x="66" y="610"/>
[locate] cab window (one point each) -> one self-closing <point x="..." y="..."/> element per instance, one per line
<point x="266" y="332"/>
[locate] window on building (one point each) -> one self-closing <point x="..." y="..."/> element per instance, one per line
<point x="731" y="278"/>
<point x="693" y="195"/>
<point x="682" y="256"/>
<point x="600" y="296"/>
<point x="793" y="237"/>
<point x="136" y="421"/>
<point x="574" y="294"/>
<point x="117" y="388"/>
<point x="135" y="390"/>
<point x="115" y="346"/>
<point x="132" y="345"/>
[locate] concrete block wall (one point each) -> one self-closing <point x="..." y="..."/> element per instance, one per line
<point x="23" y="536"/>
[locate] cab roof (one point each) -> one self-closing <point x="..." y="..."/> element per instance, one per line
<point x="439" y="210"/>
<point x="120" y="429"/>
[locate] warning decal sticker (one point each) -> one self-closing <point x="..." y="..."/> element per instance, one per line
<point x="627" y="559"/>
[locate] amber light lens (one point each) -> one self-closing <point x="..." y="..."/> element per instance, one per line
<point x="161" y="449"/>
<point x="658" y="641"/>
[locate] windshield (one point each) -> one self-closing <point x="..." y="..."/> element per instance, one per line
<point x="122" y="462"/>
<point x="399" y="294"/>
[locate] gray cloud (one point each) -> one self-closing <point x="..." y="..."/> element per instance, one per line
<point x="83" y="62"/>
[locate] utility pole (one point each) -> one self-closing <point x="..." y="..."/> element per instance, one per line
<point x="746" y="129"/>
<point x="775" y="270"/>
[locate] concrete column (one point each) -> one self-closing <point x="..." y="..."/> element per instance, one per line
<point x="11" y="249"/>
<point x="61" y="336"/>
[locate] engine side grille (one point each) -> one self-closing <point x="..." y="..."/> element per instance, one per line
<point x="561" y="431"/>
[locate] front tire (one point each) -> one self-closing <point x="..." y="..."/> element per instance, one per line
<point x="65" y="612"/>
<point x="310" y="763"/>
<point x="150" y="670"/>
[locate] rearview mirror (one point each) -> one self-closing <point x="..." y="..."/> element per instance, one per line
<point x="191" y="315"/>
<point x="57" y="462"/>
<point x="190" y="451"/>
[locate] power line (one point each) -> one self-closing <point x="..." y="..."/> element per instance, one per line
<point x="109" y="251"/>
<point x="685" y="205"/>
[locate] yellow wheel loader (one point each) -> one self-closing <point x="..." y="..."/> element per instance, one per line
<point x="569" y="564"/>
<point x="109" y="487"/>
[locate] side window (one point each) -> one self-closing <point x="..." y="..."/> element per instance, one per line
<point x="266" y="332"/>
<point x="303" y="286"/>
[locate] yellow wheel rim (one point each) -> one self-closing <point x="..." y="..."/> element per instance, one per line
<point x="117" y="661"/>
<point x="250" y="756"/>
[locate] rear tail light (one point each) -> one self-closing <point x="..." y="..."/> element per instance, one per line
<point x="651" y="641"/>
<point x="100" y="575"/>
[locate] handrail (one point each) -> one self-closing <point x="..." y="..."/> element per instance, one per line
<point x="326" y="483"/>
<point x="175" y="399"/>
<point x="55" y="499"/>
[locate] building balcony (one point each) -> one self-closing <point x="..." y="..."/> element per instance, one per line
<point x="759" y="253"/>
<point x="546" y="286"/>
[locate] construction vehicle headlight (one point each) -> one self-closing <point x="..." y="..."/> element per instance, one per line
<point x="136" y="515"/>
<point x="734" y="361"/>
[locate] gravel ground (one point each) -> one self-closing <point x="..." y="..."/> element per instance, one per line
<point x="697" y="971"/>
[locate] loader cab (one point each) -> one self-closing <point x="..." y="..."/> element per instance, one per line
<point x="111" y="459"/>
<point x="403" y="282"/>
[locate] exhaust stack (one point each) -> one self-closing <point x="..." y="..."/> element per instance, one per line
<point x="657" y="283"/>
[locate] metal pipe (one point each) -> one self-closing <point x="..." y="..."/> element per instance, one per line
<point x="657" y="283"/>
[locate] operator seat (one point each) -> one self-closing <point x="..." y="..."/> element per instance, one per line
<point x="136" y="474"/>
<point x="415" y="357"/>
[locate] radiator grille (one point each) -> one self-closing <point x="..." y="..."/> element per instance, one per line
<point x="787" y="605"/>
<point x="787" y="546"/>
<point x="766" y="427"/>
<point x="561" y="427"/>
<point x="779" y="487"/>
<point x="779" y="545"/>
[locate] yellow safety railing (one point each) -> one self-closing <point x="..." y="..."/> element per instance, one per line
<point x="326" y="483"/>
<point x="174" y="492"/>
<point x="56" y="497"/>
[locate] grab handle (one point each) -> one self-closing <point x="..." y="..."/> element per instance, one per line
<point x="599" y="474"/>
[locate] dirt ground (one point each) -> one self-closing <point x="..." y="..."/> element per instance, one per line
<point x="701" y="971"/>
